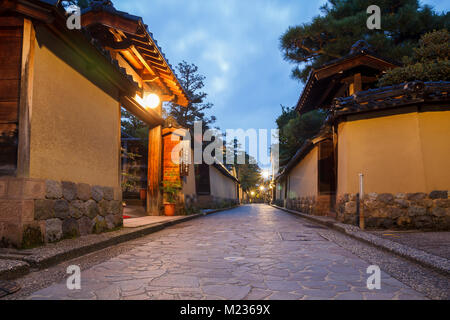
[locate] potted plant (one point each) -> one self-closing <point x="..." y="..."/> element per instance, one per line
<point x="170" y="190"/>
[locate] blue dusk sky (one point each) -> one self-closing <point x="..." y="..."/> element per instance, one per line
<point x="235" y="44"/>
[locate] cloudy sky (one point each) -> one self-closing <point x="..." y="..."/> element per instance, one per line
<point x="235" y="45"/>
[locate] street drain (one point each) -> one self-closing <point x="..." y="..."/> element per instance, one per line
<point x="8" y="287"/>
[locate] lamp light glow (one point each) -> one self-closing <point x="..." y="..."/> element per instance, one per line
<point x="262" y="188"/>
<point x="265" y="174"/>
<point x="151" y="101"/>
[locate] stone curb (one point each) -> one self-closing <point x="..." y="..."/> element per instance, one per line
<point x="43" y="257"/>
<point x="423" y="258"/>
<point x="10" y="269"/>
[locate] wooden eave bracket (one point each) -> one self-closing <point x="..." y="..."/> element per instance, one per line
<point x="149" y="116"/>
<point x="28" y="9"/>
<point x="109" y="20"/>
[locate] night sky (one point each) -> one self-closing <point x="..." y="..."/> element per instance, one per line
<point x="235" y="44"/>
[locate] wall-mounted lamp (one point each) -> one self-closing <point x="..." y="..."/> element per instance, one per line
<point x="150" y="101"/>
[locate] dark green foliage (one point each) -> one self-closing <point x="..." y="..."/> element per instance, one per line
<point x="429" y="62"/>
<point x="192" y="82"/>
<point x="294" y="130"/>
<point x="133" y="127"/>
<point x="248" y="173"/>
<point x="343" y="22"/>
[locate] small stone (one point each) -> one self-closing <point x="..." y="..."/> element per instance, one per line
<point x="441" y="212"/>
<point x="108" y="193"/>
<point x="100" y="225"/>
<point x="116" y="207"/>
<point x="53" y="189"/>
<point x="97" y="193"/>
<point x="104" y="208"/>
<point x="416" y="211"/>
<point x="53" y="230"/>
<point x="77" y="209"/>
<point x="423" y="222"/>
<point x="445" y="203"/>
<point x="439" y="194"/>
<point x="61" y="208"/>
<point x="386" y="198"/>
<point x="70" y="228"/>
<point x="83" y="191"/>
<point x="402" y="203"/>
<point x="91" y="209"/>
<point x="43" y="209"/>
<point x="350" y="207"/>
<point x="400" y="196"/>
<point x="85" y="226"/>
<point x="69" y="190"/>
<point x="416" y="196"/>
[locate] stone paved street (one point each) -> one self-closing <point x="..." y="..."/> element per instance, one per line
<point x="252" y="252"/>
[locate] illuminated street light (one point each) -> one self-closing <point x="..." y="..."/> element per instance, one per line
<point x="262" y="188"/>
<point x="252" y="193"/>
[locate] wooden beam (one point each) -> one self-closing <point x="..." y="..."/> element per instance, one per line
<point x="154" y="197"/>
<point x="151" y="117"/>
<point x="149" y="78"/>
<point x="25" y="100"/>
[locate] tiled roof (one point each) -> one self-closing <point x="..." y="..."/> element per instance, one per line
<point x="392" y="97"/>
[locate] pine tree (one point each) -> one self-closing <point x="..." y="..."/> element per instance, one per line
<point x="343" y="22"/>
<point x="193" y="83"/>
<point x="430" y="61"/>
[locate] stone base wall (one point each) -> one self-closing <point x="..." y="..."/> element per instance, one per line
<point x="212" y="202"/>
<point x="314" y="205"/>
<point x="34" y="212"/>
<point x="398" y="211"/>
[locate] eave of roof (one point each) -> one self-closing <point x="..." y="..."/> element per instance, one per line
<point x="222" y="169"/>
<point x="137" y="31"/>
<point x="390" y="97"/>
<point x="326" y="70"/>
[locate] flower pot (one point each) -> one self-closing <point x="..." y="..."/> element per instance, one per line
<point x="169" y="209"/>
<point x="143" y="194"/>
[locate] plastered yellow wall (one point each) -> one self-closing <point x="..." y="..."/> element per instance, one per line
<point x="399" y="153"/>
<point x="303" y="177"/>
<point x="75" y="126"/>
<point x="221" y="186"/>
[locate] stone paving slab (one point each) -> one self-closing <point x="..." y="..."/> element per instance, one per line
<point x="237" y="254"/>
<point x="54" y="253"/>
<point x="438" y="263"/>
<point x="145" y="221"/>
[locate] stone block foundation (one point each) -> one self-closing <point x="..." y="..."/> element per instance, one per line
<point x="398" y="211"/>
<point x="315" y="205"/>
<point x="33" y="211"/>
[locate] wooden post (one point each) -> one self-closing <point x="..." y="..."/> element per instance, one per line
<point x="357" y="82"/>
<point x="154" y="199"/>
<point x="25" y="102"/>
